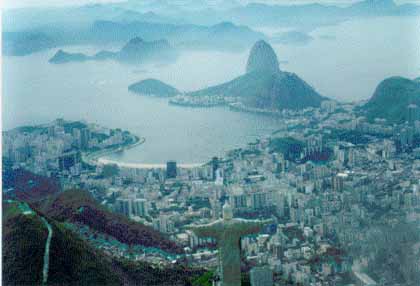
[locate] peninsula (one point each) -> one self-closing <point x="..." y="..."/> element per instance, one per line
<point x="263" y="88"/>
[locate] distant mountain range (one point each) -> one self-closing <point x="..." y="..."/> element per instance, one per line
<point x="391" y="99"/>
<point x="265" y="86"/>
<point x="292" y="38"/>
<point x="205" y="27"/>
<point x="306" y="16"/>
<point x="136" y="51"/>
<point x="205" y="13"/>
<point x="25" y="43"/>
<point x="222" y="36"/>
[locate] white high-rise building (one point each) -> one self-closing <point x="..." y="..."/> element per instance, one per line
<point x="164" y="224"/>
<point x="139" y="207"/>
<point x="124" y="206"/>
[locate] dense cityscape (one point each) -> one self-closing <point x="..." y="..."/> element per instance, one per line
<point x="328" y="180"/>
<point x="210" y="143"/>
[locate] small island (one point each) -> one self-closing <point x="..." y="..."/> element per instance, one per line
<point x="136" y="51"/>
<point x="153" y="87"/>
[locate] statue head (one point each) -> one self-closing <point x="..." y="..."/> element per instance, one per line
<point x="227" y="211"/>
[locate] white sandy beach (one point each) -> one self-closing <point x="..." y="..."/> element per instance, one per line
<point x="144" y="166"/>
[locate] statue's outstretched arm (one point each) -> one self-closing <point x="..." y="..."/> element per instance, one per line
<point x="252" y="226"/>
<point x="267" y="221"/>
<point x="205" y="230"/>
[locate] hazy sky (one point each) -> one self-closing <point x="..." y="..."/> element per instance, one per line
<point x="25" y="3"/>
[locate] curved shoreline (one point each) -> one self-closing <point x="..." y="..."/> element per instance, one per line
<point x="105" y="161"/>
<point x="97" y="158"/>
<point x="94" y="157"/>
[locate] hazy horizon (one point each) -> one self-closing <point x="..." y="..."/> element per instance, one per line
<point x="12" y="4"/>
<point x="135" y="129"/>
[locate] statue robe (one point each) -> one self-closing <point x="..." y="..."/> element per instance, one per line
<point x="228" y="234"/>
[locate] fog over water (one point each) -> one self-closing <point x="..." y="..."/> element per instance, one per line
<point x="363" y="53"/>
<point x="37" y="3"/>
<point x="347" y="65"/>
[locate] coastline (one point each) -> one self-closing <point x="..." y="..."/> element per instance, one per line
<point x="97" y="158"/>
<point x="105" y="161"/>
<point x="195" y="105"/>
<point x="239" y="107"/>
<point x="94" y="157"/>
<point x="233" y="106"/>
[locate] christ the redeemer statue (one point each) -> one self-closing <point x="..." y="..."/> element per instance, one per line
<point x="228" y="232"/>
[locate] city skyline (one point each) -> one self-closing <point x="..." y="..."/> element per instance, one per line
<point x="173" y="143"/>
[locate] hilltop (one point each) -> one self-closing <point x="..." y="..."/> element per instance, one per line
<point x="139" y="50"/>
<point x="391" y="99"/>
<point x="62" y="57"/>
<point x="262" y="58"/>
<point x="265" y="86"/>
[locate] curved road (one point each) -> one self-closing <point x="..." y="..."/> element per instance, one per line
<point x="26" y="210"/>
<point x="47" y="252"/>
